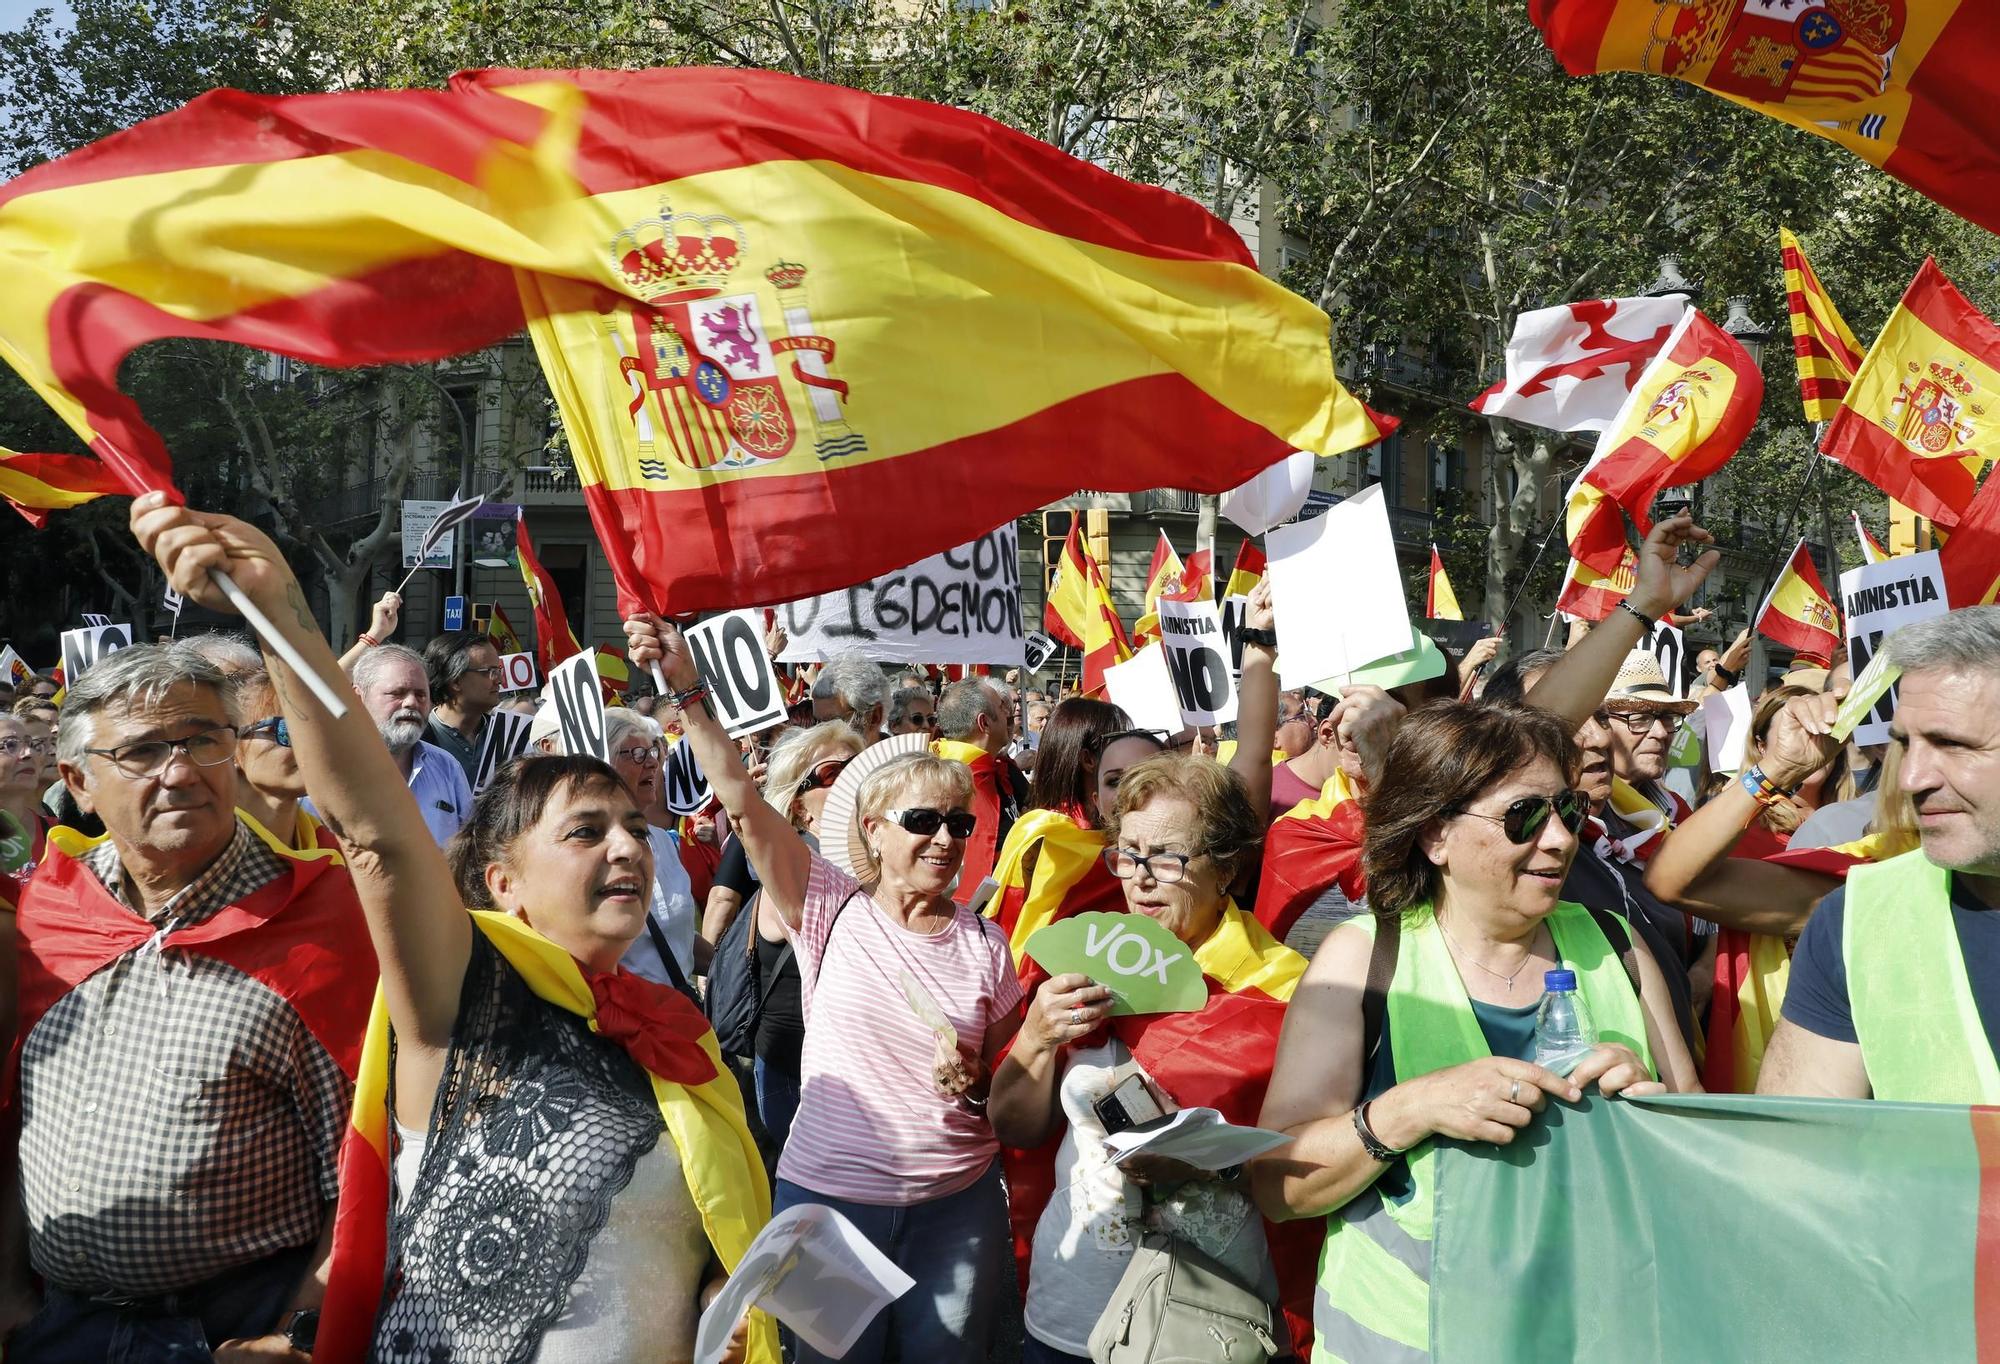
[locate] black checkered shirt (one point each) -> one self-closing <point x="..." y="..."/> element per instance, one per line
<point x="177" y="1117"/>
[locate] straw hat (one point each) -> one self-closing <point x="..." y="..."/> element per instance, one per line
<point x="1642" y="685"/>
<point x="842" y="841"/>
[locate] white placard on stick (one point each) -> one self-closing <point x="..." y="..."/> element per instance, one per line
<point x="1337" y="591"/>
<point x="517" y="672"/>
<point x="743" y="689"/>
<point x="961" y="606"/>
<point x="1198" y="661"/>
<point x="685" y="785"/>
<point x="1670" y="647"/>
<point x="1878" y="599"/>
<point x="1143" y="687"/>
<point x="579" y="698"/>
<point x="1040" y="649"/>
<point x="1725" y="720"/>
<point x="812" y="1270"/>
<point x="505" y="739"/>
<point x="84" y="649"/>
<point x="95" y="621"/>
<point x="419" y="550"/>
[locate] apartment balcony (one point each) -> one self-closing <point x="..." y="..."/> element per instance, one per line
<point x="1149" y="502"/>
<point x="546" y="486"/>
<point x="364" y="500"/>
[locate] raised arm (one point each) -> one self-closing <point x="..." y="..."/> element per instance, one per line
<point x="381" y="629"/>
<point x="771" y="843"/>
<point x="421" y="934"/>
<point x="1576" y="684"/>
<point x="1257" y="706"/>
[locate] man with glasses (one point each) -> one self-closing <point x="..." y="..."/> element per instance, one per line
<point x="1644" y="716"/>
<point x="464" y="670"/>
<point x="395" y="689"/>
<point x="976" y="727"/>
<point x="190" y="1013"/>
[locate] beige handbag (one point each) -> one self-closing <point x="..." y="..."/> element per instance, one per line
<point x="1176" y="1305"/>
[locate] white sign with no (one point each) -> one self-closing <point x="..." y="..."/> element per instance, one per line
<point x="1198" y="659"/>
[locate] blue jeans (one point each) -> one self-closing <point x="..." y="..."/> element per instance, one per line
<point x="955" y="1247"/>
<point x="777" y="1100"/>
<point x="179" y="1328"/>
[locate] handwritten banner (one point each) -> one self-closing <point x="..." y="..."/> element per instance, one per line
<point x="961" y="606"/>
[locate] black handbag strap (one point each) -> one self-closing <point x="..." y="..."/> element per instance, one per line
<point x="1381" y="974"/>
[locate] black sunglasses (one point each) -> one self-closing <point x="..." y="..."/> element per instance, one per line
<point x="825" y="772"/>
<point x="924" y="822"/>
<point x="1524" y="820"/>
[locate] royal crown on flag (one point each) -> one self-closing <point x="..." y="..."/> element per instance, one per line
<point x="786" y="274"/>
<point x="679" y="255"/>
<point x="1930" y="411"/>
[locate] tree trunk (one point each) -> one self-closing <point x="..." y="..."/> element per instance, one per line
<point x="1518" y="516"/>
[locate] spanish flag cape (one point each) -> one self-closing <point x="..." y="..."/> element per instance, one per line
<point x="1219" y="1057"/>
<point x="702" y="1107"/>
<point x="993" y="786"/>
<point x="1752" y="970"/>
<point x="1051" y="866"/>
<point x="1313" y="845"/>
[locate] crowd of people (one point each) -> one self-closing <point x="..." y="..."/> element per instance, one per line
<point x="329" y="1043"/>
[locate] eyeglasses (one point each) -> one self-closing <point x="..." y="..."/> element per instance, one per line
<point x="1524" y="820"/>
<point x="824" y="773"/>
<point x="649" y="754"/>
<point x="14" y="748"/>
<point x="149" y="757"/>
<point x="1164" y="867"/>
<point x="275" y="729"/>
<point x="924" y="822"/>
<point x="1639" y="721"/>
<point x="496" y="671"/>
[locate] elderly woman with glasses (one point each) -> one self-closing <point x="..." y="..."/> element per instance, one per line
<point x="21" y="752"/>
<point x="1183" y="829"/>
<point x="908" y="1000"/>
<point x="1466" y="852"/>
<point x="670" y="951"/>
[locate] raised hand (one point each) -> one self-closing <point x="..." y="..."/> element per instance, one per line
<point x="1663" y="582"/>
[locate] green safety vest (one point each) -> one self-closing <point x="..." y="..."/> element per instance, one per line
<point x="1921" y="1037"/>
<point x="1372" y="1304"/>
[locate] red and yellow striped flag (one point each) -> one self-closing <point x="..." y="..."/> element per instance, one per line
<point x="1920" y="419"/>
<point x="1165" y="578"/>
<point x="1822" y="345"/>
<point x="1440" y="602"/>
<point x="1247" y="572"/>
<point x="36" y="485"/>
<point x="798" y="333"/>
<point x="1904" y="86"/>
<point x="1871" y="548"/>
<point x="1587" y="594"/>
<point x="1104" y="641"/>
<point x="1798" y="612"/>
<point x="1685" y="417"/>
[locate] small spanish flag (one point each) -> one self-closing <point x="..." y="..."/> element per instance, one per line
<point x="1871" y="548"/>
<point x="1823" y="347"/>
<point x="1587" y="594"/>
<point x="1798" y="612"/>
<point x="1248" y="571"/>
<point x="1163" y="579"/>
<point x="554" y="640"/>
<point x="36" y="485"/>
<point x="1197" y="578"/>
<point x="1440" y="602"/>
<point x="1066" y="615"/>
<point x="1104" y="640"/>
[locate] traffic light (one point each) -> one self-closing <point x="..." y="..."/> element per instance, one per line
<point x="1056" y="527"/>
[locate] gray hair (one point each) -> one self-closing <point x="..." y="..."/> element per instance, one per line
<point x="797" y="752"/>
<point x="903" y="700"/>
<point x="1968" y="638"/>
<point x="621" y="722"/>
<point x="231" y="653"/>
<point x="373" y="661"/>
<point x="855" y="681"/>
<point x="961" y="706"/>
<point x="139" y="676"/>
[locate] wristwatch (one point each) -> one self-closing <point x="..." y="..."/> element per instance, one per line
<point x="1267" y="638"/>
<point x="301" y="1329"/>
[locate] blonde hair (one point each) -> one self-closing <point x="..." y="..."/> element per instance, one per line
<point x="915" y="776"/>
<point x="1895" y="808"/>
<point x="796" y="753"/>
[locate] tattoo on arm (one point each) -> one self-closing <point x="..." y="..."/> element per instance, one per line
<point x="297" y="600"/>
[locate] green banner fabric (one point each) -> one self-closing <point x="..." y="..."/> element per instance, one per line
<point x="1721" y="1228"/>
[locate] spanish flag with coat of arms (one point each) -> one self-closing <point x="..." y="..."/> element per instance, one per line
<point x="798" y="334"/>
<point x="1905" y="85"/>
<point x="1798" y="612"/>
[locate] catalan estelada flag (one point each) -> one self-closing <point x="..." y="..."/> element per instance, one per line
<point x="1066" y="614"/>
<point x="36" y="485"/>
<point x="1798" y="612"/>
<point x="1440" y="602"/>
<point x="1903" y="84"/>
<point x="1824" y="349"/>
<point x="1923" y="413"/>
<point x="554" y="640"/>
<point x="797" y="333"/>
<point x="1682" y="421"/>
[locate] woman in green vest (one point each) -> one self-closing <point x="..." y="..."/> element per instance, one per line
<point x="1466" y="850"/>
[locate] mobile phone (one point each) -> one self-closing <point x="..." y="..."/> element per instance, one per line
<point x="1129" y="1104"/>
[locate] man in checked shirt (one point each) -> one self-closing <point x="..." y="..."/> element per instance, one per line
<point x="191" y="1004"/>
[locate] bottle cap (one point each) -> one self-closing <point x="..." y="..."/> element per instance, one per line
<point x="1558" y="980"/>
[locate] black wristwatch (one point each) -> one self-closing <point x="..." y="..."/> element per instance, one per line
<point x="1724" y="676"/>
<point x="1267" y="638"/>
<point x="301" y="1329"/>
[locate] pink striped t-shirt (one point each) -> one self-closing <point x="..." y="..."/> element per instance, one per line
<point x="872" y="1126"/>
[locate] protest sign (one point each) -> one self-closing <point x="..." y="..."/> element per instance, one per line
<point x="961" y="606"/>
<point x="1879" y="599"/>
<point x="1147" y="969"/>
<point x="1725" y="719"/>
<point x="1337" y="591"/>
<point x="1198" y="661"/>
<point x="1234" y="611"/>
<point x="517" y="672"/>
<point x="1040" y="649"/>
<point x="1876" y="678"/>
<point x="504" y="739"/>
<point x="1143" y="686"/>
<point x="95" y="621"/>
<point x="1685" y="749"/>
<point x="420" y="550"/>
<point x="173" y="601"/>
<point x="743" y="690"/>
<point x="684" y="783"/>
<point x="1200" y="1137"/>
<point x="84" y="649"/>
<point x="812" y="1270"/>
<point x="579" y="699"/>
<point x="1670" y="647"/>
<point x="493" y="534"/>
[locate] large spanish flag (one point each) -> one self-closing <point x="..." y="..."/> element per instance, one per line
<point x="1905" y="85"/>
<point x="1586" y="594"/>
<point x="35" y="485"/>
<point x="1066" y="614"/>
<point x="1919" y="419"/>
<point x="1823" y="347"/>
<point x="1798" y="612"/>
<point x="1682" y="421"/>
<point x="798" y="333"/>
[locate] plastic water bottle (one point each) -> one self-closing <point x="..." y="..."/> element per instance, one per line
<point x="1563" y="1032"/>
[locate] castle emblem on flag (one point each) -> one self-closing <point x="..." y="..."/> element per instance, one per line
<point x="1806" y="53"/>
<point x="1933" y="410"/>
<point x="701" y="353"/>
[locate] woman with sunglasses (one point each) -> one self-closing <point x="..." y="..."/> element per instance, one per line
<point x="1466" y="852"/>
<point x="272" y="791"/>
<point x="908" y="1000"/>
<point x="21" y="752"/>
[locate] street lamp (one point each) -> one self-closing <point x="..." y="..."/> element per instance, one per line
<point x="1750" y="333"/>
<point x="1670" y="280"/>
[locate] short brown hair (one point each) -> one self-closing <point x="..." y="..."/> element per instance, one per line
<point x="511" y="804"/>
<point x="1443" y="756"/>
<point x="1231" y="833"/>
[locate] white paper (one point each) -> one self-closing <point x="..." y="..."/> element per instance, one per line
<point x="743" y="690"/>
<point x="961" y="606"/>
<point x="1198" y="658"/>
<point x="1272" y="496"/>
<point x="685" y="785"/>
<point x="1337" y="591"/>
<point x="1039" y="649"/>
<point x="1725" y="722"/>
<point x="812" y="1270"/>
<point x="579" y="698"/>
<point x="517" y="672"/>
<point x="1200" y="1137"/>
<point x="1670" y="647"/>
<point x="1143" y="688"/>
<point x="1879" y="599"/>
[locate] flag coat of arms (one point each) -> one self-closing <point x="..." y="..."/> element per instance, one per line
<point x="1903" y="84"/>
<point x="1586" y="594"/>
<point x="1822" y="344"/>
<point x="1919" y="419"/>
<point x="1798" y="612"/>
<point x="1570" y="367"/>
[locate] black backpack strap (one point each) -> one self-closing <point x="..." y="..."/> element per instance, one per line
<point x="665" y="949"/>
<point x="1613" y="929"/>
<point x="1381" y="974"/>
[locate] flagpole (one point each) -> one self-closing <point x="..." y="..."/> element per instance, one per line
<point x="1813" y="458"/>
<point x="283" y="647"/>
<point x="1534" y="564"/>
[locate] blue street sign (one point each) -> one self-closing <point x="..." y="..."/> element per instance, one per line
<point x="454" y="614"/>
